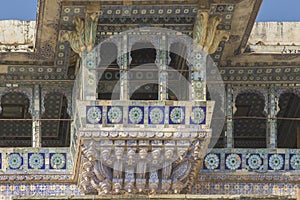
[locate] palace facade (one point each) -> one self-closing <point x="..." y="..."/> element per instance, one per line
<point x="149" y="99"/>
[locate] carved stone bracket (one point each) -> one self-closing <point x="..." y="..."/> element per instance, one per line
<point x="206" y="35"/>
<point x="116" y="166"/>
<point x="84" y="36"/>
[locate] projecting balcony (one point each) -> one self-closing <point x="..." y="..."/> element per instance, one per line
<point x="155" y="142"/>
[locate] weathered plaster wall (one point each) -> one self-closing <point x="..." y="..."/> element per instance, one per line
<point x="17" y="36"/>
<point x="15" y="31"/>
<point x="272" y="33"/>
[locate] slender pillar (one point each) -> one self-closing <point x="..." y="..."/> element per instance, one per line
<point x="124" y="90"/>
<point x="89" y="76"/>
<point x="198" y="76"/>
<point x="229" y="121"/>
<point x="163" y="74"/>
<point x="272" y="120"/>
<point x="36" y="116"/>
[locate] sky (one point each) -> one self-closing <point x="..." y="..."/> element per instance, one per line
<point x="271" y="10"/>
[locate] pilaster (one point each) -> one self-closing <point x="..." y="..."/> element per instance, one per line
<point x="36" y="116"/>
<point x="229" y="120"/>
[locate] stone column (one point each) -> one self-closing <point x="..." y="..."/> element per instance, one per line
<point x="36" y="116"/>
<point x="272" y="120"/>
<point x="124" y="92"/>
<point x="229" y="120"/>
<point x="163" y="74"/>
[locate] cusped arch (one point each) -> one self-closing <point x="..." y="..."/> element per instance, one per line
<point x="25" y="91"/>
<point x="260" y="92"/>
<point x="67" y="92"/>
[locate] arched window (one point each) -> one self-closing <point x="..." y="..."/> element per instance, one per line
<point x="288" y="129"/>
<point x="250" y="121"/>
<point x="143" y="72"/>
<point x="55" y="133"/>
<point x="16" y="124"/>
<point x="109" y="72"/>
<point x="178" y="80"/>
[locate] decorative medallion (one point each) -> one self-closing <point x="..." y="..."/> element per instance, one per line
<point x="198" y="115"/>
<point x="254" y="162"/>
<point x="276" y="161"/>
<point x="177" y="115"/>
<point x="15" y="161"/>
<point x="212" y="161"/>
<point x="90" y="60"/>
<point x="36" y="161"/>
<point x="57" y="161"/>
<point x="136" y="115"/>
<point x="295" y="162"/>
<point x="94" y="114"/>
<point x="233" y="161"/>
<point x="156" y="115"/>
<point x="114" y="115"/>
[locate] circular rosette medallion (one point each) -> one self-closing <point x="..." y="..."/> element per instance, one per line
<point x="177" y="115"/>
<point x="15" y="161"/>
<point x="36" y="161"/>
<point x="276" y="162"/>
<point x="198" y="115"/>
<point x="233" y="161"/>
<point x="254" y="162"/>
<point x="295" y="162"/>
<point x="136" y="115"/>
<point x="94" y="115"/>
<point x="212" y="161"/>
<point x="114" y="115"/>
<point x="156" y="116"/>
<point x="58" y="161"/>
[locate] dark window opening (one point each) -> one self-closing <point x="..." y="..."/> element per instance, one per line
<point x="178" y="80"/>
<point x="250" y="121"/>
<point x="143" y="75"/>
<point x="55" y="133"/>
<point x="110" y="73"/>
<point x="288" y="128"/>
<point x="16" y="130"/>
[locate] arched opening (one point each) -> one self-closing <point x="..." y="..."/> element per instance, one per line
<point x="250" y="121"/>
<point x="146" y="92"/>
<point x="142" y="53"/>
<point x="55" y="133"/>
<point x="149" y="92"/>
<point x="143" y="73"/>
<point x="16" y="123"/>
<point x="179" y="80"/>
<point x="110" y="73"/>
<point x="288" y="128"/>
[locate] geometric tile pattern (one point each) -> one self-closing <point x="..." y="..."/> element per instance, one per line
<point x="154" y="115"/>
<point x="233" y="188"/>
<point x="44" y="160"/>
<point x="257" y="160"/>
<point x="7" y="191"/>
